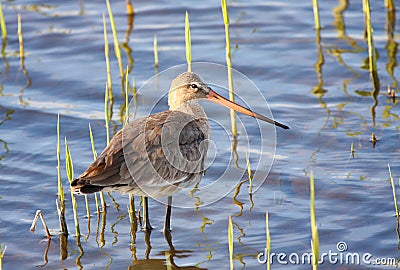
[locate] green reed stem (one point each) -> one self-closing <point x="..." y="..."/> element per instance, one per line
<point x="2" y="252"/>
<point x="69" y="168"/>
<point x="229" y="64"/>
<point x="92" y="142"/>
<point x="3" y="22"/>
<point x="155" y="44"/>
<point x="95" y="157"/>
<point x="21" y="40"/>
<point x="316" y="14"/>
<point x="268" y="244"/>
<point x="106" y="54"/>
<point x="188" y="43"/>
<point x="249" y="175"/>
<point x="87" y="206"/>
<point x="314" y="230"/>
<point x="116" y="43"/>
<point x="371" y="48"/>
<point x="97" y="204"/>
<point x="60" y="189"/>
<point x="61" y="195"/>
<point x="126" y="97"/>
<point x="107" y="121"/>
<point x="134" y="86"/>
<point x="107" y="114"/>
<point x="394" y="192"/>
<point x="230" y="242"/>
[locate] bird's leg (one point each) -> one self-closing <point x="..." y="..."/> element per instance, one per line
<point x="167" y="223"/>
<point x="146" y="219"/>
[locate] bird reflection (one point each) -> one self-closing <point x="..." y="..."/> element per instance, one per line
<point x="158" y="264"/>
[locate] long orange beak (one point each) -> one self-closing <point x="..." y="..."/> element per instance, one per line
<point x="214" y="97"/>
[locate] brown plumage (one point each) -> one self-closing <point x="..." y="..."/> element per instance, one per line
<point x="144" y="142"/>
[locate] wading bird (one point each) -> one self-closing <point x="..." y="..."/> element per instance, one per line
<point x="157" y="155"/>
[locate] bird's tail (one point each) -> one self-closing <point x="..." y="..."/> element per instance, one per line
<point x="82" y="188"/>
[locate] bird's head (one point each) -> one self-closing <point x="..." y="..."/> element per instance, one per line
<point x="188" y="87"/>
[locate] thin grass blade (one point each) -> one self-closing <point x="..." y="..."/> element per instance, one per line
<point x="188" y="43"/>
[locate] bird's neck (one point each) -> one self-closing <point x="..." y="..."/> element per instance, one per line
<point x="191" y="107"/>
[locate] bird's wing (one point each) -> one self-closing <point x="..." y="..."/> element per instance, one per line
<point x="164" y="149"/>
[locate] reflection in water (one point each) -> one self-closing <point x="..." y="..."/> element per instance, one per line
<point x="338" y="52"/>
<point x="234" y="149"/>
<point x="6" y="150"/>
<point x="391" y="46"/>
<point x="235" y="200"/>
<point x="133" y="229"/>
<point x="125" y="44"/>
<point x="102" y="240"/>
<point x="388" y="113"/>
<point x="318" y="90"/>
<point x="236" y="193"/>
<point x="252" y="252"/>
<point x="22" y="62"/>
<point x="372" y="58"/>
<point x="43" y="9"/>
<point x="374" y="95"/>
<point x="3" y="50"/>
<point x="205" y="221"/>
<point x="147" y="263"/>
<point x="3" y="56"/>
<point x="63" y="246"/>
<point x="46" y="252"/>
<point x="338" y="15"/>
<point x="27" y="85"/>
<point x="4" y="143"/>
<point x="159" y="264"/>
<point x="115" y="203"/>
<point x="114" y="231"/>
<point x="335" y="50"/>
<point x="81" y="252"/>
<point x="128" y="50"/>
<point x="398" y="232"/>
<point x="373" y="140"/>
<point x="88" y="217"/>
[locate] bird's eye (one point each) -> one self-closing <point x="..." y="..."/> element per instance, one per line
<point x="194" y="86"/>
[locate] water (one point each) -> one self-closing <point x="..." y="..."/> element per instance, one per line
<point x="322" y="90"/>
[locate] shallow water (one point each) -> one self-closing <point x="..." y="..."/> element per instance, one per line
<point x="320" y="88"/>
